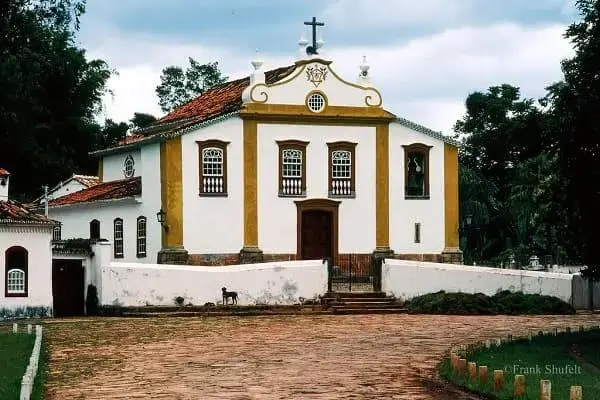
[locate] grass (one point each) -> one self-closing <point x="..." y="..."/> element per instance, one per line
<point x="15" y="351"/>
<point x="546" y="357"/>
<point x="504" y="302"/>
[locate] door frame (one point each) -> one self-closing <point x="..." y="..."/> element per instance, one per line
<point x="327" y="205"/>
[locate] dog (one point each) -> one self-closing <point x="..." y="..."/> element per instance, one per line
<point x="227" y="295"/>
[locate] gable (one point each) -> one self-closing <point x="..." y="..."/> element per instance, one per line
<point x="313" y="76"/>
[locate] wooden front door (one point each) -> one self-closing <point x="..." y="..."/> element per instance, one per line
<point x="317" y="235"/>
<point x="67" y="288"/>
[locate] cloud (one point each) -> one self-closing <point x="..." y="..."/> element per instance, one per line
<point x="425" y="79"/>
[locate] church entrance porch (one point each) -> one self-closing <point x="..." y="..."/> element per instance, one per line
<point x="68" y="287"/>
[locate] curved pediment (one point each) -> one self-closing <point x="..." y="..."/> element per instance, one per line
<point x="312" y="83"/>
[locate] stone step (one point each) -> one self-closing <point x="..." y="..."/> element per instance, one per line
<point x="355" y="295"/>
<point x="365" y="304"/>
<point x="359" y="300"/>
<point x="350" y="311"/>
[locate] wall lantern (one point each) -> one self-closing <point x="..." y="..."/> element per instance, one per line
<point x="468" y="219"/>
<point x="161" y="217"/>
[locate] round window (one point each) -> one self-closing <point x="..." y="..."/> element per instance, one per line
<point x="128" y="167"/>
<point x="316" y="102"/>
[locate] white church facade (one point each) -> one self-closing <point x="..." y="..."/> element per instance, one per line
<point x="292" y="163"/>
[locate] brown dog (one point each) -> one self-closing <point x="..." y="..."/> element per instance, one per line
<point x="227" y="295"/>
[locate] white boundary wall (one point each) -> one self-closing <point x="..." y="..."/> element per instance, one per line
<point x="130" y="284"/>
<point x="407" y="279"/>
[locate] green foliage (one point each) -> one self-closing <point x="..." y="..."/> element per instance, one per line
<point x="92" y="303"/>
<point x="50" y="93"/>
<point x="178" y="86"/>
<point x="505" y="302"/>
<point x="141" y="120"/>
<point x="546" y="357"/>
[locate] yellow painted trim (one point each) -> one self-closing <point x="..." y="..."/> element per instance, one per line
<point x="300" y="114"/>
<point x="265" y="96"/>
<point x="250" y="184"/>
<point x="101" y="169"/>
<point x="357" y="86"/>
<point x="451" y="204"/>
<point x="172" y="192"/>
<point x="382" y="200"/>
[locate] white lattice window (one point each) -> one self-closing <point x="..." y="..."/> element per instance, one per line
<point x="213" y="168"/>
<point x="341" y="164"/>
<point x="56" y="233"/>
<point x="15" y="281"/>
<point x="118" y="238"/>
<point x="292" y="163"/>
<point x="141" y="237"/>
<point x="341" y="169"/>
<point x="316" y="102"/>
<point x="292" y="168"/>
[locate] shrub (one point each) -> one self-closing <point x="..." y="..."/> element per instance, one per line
<point x="92" y="304"/>
<point x="505" y="302"/>
<point x="179" y="300"/>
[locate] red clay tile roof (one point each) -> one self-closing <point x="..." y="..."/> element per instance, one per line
<point x="220" y="100"/>
<point x="12" y="212"/>
<point x="103" y="191"/>
<point x="87" y="180"/>
<point x="4" y="172"/>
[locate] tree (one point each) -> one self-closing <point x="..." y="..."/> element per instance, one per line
<point x="575" y="106"/>
<point x="50" y="93"/>
<point x="141" y="120"/>
<point x="178" y="87"/>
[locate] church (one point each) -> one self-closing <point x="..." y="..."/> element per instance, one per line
<point x="291" y="163"/>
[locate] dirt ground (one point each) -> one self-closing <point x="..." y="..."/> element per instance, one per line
<point x="277" y="357"/>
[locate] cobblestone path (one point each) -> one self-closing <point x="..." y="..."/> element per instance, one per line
<point x="295" y="357"/>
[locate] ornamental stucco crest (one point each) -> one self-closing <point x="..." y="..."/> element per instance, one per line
<point x="316" y="74"/>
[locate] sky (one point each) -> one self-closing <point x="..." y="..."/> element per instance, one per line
<point x="425" y="56"/>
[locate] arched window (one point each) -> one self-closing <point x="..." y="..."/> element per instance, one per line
<point x="141" y="237"/>
<point x="15" y="269"/>
<point x="341" y="169"/>
<point x="94" y="229"/>
<point x="213" y="168"/>
<point x="292" y="168"/>
<point x="118" y="238"/>
<point x="56" y="233"/>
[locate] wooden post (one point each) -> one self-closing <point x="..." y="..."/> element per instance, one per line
<point x="545" y="390"/>
<point x="576" y="393"/>
<point x="483" y="375"/>
<point x="498" y="380"/>
<point x="29" y="329"/>
<point x="462" y="365"/>
<point x="581" y="329"/>
<point x="519" y="385"/>
<point x="472" y="371"/>
<point x="454" y="362"/>
<point x="15" y="328"/>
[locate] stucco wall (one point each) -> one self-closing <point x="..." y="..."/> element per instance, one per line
<point x="407" y="279"/>
<point x="76" y="224"/>
<point x="113" y="165"/>
<point x="213" y="224"/>
<point x="127" y="284"/>
<point x="71" y="187"/>
<point x="37" y="242"/>
<point x="405" y="213"/>
<point x="277" y="216"/>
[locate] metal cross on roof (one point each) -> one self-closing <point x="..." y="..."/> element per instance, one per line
<point x="312" y="50"/>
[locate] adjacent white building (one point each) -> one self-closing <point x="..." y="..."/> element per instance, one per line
<point x="25" y="258"/>
<point x="292" y="163"/>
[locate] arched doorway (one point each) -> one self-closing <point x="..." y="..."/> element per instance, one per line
<point x="317" y="229"/>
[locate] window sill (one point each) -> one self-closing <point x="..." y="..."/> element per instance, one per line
<point x="15" y="295"/>
<point x="416" y="197"/>
<point x="342" y="196"/>
<point x="212" y="194"/>
<point x="302" y="195"/>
